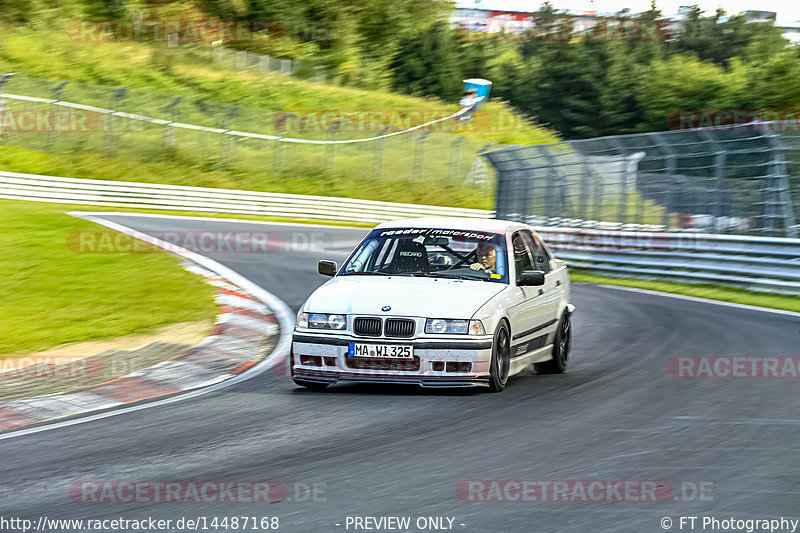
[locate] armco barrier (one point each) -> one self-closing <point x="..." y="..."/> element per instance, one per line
<point x="769" y="264"/>
<point x="179" y="198"/>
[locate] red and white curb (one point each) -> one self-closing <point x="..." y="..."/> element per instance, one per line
<point x="233" y="352"/>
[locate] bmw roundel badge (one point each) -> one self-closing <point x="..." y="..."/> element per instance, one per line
<point x="386" y="308"/>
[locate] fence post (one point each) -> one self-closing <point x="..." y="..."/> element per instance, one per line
<point x="419" y="156"/>
<point x="583" y="191"/>
<point x="779" y="175"/>
<point x="278" y="147"/>
<point x="5" y="79"/>
<point x="509" y="168"/>
<point x="518" y="194"/>
<point x="286" y="66"/>
<point x="330" y="149"/>
<point x="377" y="163"/>
<point x="226" y="140"/>
<point x="263" y="64"/>
<point x="598" y="195"/>
<point x="52" y="137"/>
<point x="169" y="130"/>
<point x="501" y="189"/>
<point x="217" y="53"/>
<point x="719" y="165"/>
<point x="668" y="195"/>
<point x="455" y="159"/>
<point x="552" y="196"/>
<point x="108" y="125"/>
<point x="477" y="174"/>
<point x="241" y="60"/>
<point x="623" y="195"/>
<point x="277" y="160"/>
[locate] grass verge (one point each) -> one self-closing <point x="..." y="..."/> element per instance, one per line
<point x="442" y="168"/>
<point x="54" y="296"/>
<point x="294" y="181"/>
<point x="712" y="292"/>
<point x="205" y="214"/>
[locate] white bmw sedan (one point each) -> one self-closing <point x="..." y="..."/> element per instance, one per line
<point x="438" y="302"/>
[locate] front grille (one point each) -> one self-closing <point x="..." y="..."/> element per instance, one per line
<point x="399" y="327"/>
<point x="372" y="363"/>
<point x="370" y="327"/>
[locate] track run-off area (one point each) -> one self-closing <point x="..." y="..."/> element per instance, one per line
<point x="713" y="445"/>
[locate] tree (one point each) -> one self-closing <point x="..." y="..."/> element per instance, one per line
<point x="619" y="110"/>
<point x="773" y="84"/>
<point x="719" y="38"/>
<point x="358" y="39"/>
<point x="428" y="64"/>
<point x="683" y="83"/>
<point x="648" y="48"/>
<point x="569" y="77"/>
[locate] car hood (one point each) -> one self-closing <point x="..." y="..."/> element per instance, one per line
<point x="407" y="296"/>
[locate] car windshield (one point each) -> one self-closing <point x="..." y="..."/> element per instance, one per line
<point x="431" y="252"/>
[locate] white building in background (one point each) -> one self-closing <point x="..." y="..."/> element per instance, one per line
<point x="496" y="16"/>
<point x="791" y="30"/>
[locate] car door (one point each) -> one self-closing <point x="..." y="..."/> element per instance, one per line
<point x="553" y="289"/>
<point x="529" y="315"/>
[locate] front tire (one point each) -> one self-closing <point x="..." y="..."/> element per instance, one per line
<point x="561" y="346"/>
<point x="501" y="359"/>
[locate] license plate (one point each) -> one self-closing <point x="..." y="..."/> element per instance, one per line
<point x="381" y="350"/>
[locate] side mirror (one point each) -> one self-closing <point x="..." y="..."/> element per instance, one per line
<point x="327" y="268"/>
<point x="531" y="278"/>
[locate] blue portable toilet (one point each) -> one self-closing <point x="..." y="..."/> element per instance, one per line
<point x="481" y="86"/>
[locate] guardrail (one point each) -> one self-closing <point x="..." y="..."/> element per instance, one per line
<point x="182" y="198"/>
<point x="770" y="264"/>
<point x="767" y="264"/>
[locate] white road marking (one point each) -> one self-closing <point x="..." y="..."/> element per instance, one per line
<point x="88" y="214"/>
<point x="742" y="421"/>
<point x="247" y="322"/>
<point x="282" y="312"/>
<point x="701" y="300"/>
<point x="244" y="303"/>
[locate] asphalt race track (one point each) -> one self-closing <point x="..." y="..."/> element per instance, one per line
<point x="400" y="451"/>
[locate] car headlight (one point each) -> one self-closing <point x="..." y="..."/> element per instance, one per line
<point x="445" y="325"/>
<point x="322" y="321"/>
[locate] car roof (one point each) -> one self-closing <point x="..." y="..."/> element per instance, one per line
<point x="491" y="225"/>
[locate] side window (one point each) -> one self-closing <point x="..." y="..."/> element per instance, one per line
<point x="541" y="259"/>
<point x="522" y="257"/>
<point x="381" y="255"/>
<point x="364" y="259"/>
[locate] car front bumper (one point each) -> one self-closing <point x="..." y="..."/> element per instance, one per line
<point x="437" y="362"/>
